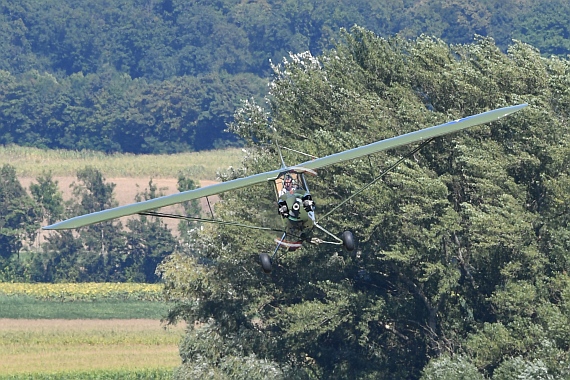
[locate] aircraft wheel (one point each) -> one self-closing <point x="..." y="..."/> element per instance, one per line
<point x="348" y="241"/>
<point x="265" y="262"/>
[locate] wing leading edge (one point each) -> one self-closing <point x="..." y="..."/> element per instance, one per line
<point x="168" y="200"/>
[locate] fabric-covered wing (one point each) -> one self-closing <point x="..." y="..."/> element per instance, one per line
<point x="408" y="138"/>
<point x="167" y="200"/>
<point x="412" y="137"/>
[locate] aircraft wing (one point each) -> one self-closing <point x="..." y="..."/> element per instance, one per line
<point x="412" y="137"/>
<point x="168" y="200"/>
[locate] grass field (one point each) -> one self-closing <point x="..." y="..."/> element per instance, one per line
<point x="31" y="162"/>
<point x="135" y="374"/>
<point x="87" y="345"/>
<point x="22" y="307"/>
<point x="85" y="331"/>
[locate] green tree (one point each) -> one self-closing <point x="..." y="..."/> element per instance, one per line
<point x="47" y="194"/>
<point x="19" y="215"/>
<point x="191" y="209"/>
<point x="148" y="243"/>
<point x="93" y="253"/>
<point x="462" y="248"/>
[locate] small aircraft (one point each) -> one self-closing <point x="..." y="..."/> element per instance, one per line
<point x="294" y="200"/>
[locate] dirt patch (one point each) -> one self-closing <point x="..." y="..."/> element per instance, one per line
<point x="66" y="325"/>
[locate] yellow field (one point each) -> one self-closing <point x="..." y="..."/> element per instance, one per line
<point x="31" y="162"/>
<point x="84" y="291"/>
<point x="46" y="346"/>
<point x="88" y="345"/>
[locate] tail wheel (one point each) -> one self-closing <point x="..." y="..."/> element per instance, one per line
<point x="265" y="262"/>
<point x="348" y="241"/>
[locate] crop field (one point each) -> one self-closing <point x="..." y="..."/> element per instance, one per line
<point x="31" y="162"/>
<point x="115" y="332"/>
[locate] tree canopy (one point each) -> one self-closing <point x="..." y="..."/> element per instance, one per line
<point x="166" y="76"/>
<point x="462" y="262"/>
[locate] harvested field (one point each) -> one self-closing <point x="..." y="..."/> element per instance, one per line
<point x="45" y="346"/>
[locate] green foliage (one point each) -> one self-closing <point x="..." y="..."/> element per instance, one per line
<point x="47" y="194"/>
<point x="191" y="209"/>
<point x="452" y="368"/>
<point x="19" y="215"/>
<point x="463" y="248"/>
<point x="166" y="76"/>
<point x="112" y="112"/>
<point x="105" y="251"/>
<point x="148" y="243"/>
<point x="519" y="368"/>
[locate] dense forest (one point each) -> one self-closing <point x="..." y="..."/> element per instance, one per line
<point x="147" y="76"/>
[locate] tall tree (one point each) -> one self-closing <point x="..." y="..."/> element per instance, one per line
<point x="47" y="194"/>
<point x="149" y="241"/>
<point x="19" y="215"/>
<point x="460" y="252"/>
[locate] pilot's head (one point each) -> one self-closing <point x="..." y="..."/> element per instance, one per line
<point x="288" y="182"/>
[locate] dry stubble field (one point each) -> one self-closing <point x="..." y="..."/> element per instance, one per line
<point x="56" y="345"/>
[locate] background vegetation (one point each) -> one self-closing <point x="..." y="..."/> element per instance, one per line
<point x="204" y="165"/>
<point x="92" y="330"/>
<point x="103" y="252"/>
<point x="166" y="76"/>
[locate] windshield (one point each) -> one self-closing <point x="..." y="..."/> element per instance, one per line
<point x="289" y="182"/>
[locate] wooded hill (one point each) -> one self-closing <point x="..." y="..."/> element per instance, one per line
<point x="164" y="76"/>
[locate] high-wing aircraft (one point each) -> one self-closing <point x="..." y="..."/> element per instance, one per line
<point x="294" y="200"/>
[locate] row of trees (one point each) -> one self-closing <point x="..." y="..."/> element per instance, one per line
<point x="463" y="258"/>
<point x="103" y="252"/>
<point x="111" y="112"/>
<point x="164" y="76"/>
<point x="167" y="38"/>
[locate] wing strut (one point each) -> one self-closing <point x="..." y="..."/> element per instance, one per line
<point x="382" y="174"/>
<point x="204" y="220"/>
<point x="210" y="207"/>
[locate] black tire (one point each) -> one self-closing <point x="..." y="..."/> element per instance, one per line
<point x="265" y="262"/>
<point x="348" y="241"/>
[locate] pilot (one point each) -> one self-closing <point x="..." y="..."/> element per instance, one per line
<point x="288" y="186"/>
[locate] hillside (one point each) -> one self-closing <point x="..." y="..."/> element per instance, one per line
<point x="167" y="76"/>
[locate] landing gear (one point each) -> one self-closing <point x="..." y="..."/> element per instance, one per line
<point x="265" y="262"/>
<point x="348" y="241"/>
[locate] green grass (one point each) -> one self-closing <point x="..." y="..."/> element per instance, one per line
<point x="23" y="307"/>
<point x="142" y="374"/>
<point x="31" y="162"/>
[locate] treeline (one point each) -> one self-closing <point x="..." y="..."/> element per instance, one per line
<point x="111" y="112"/>
<point x="106" y="252"/>
<point x="162" y="76"/>
<point x="462" y="267"/>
